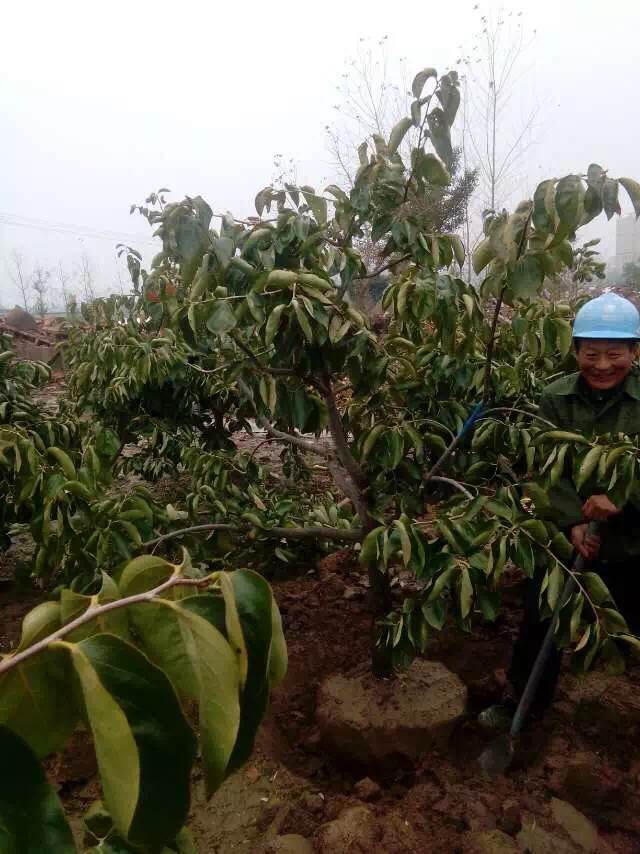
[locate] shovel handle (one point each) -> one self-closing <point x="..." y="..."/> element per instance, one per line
<point x="543" y="654"/>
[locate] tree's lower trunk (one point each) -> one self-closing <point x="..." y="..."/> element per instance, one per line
<point x="357" y="490"/>
<point x="380" y="595"/>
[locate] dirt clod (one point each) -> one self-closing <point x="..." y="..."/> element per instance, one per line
<point x="292" y="843"/>
<point x="367" y="790"/>
<point x="355" y="831"/>
<point x="369" y="721"/>
<point x="490" y="842"/>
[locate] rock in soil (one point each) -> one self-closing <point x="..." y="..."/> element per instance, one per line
<point x="490" y="842"/>
<point x="588" y="782"/>
<point x="370" y="721"/>
<point x="289" y="844"/>
<point x="367" y="790"/>
<point x="355" y="831"/>
<point x="534" y="839"/>
<point x="576" y="825"/>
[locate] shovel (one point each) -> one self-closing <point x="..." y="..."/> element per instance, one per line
<point x="498" y="756"/>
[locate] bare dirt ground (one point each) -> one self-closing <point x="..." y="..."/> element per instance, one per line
<point x="586" y="752"/>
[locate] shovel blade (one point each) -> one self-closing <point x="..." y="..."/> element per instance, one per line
<point x="498" y="756"/>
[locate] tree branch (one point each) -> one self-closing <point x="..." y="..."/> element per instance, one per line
<point x="12" y="660"/>
<point x="382" y="269"/>
<point x="454" y="483"/>
<point x="348" y="535"/>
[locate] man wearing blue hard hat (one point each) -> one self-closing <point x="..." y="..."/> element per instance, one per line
<point x="602" y="397"/>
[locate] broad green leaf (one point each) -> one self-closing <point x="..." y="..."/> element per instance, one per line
<point x="31" y="817"/>
<point x="483" y="254"/>
<point x="74" y="604"/>
<point x="420" y="79"/>
<point x="35" y="702"/>
<point x="435" y="613"/>
<point x="221" y="318"/>
<point x="182" y="638"/>
<point x="466" y="593"/>
<point x="633" y="190"/>
<point x="555" y="585"/>
<point x="144" y="573"/>
<point x="404" y="539"/>
<point x="596" y="588"/>
<point x="278" y="658"/>
<point x="41" y="621"/>
<point x="440" y="134"/>
<point x="569" y="200"/>
<point x="432" y="169"/>
<point x="543" y="207"/>
<point x="144" y="746"/>
<point x="398" y="134"/>
<point x="564" y="333"/>
<point x="233" y="625"/>
<point x="610" y="197"/>
<point x="254" y="602"/>
<point x="526" y="278"/>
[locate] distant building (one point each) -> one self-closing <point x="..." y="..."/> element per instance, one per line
<point x="627" y="243"/>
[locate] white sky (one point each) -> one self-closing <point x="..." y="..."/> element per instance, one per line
<point x="102" y="103"/>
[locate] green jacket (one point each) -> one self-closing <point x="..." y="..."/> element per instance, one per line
<point x="572" y="405"/>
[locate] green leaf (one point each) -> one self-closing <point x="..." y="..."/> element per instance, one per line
<point x="440" y="134"/>
<point x="555" y="585"/>
<point x="564" y="333"/>
<point x="223" y="248"/>
<point x="31" y="817"/>
<point x="526" y="278"/>
<point x="398" y="134"/>
<point x="466" y="593"/>
<point x="420" y="79"/>
<point x="483" y="254"/>
<point x="543" y="207"/>
<point x="278" y="662"/>
<point x="596" y="588"/>
<point x="184" y="639"/>
<point x="43" y="620"/>
<point x="221" y="318"/>
<point x="144" y="746"/>
<point x="431" y="169"/>
<point x="144" y="573"/>
<point x="404" y="539"/>
<point x="435" y="613"/>
<point x="254" y="601"/>
<point x="633" y="190"/>
<point x="610" y="197"/>
<point x="107" y="443"/>
<point x="34" y="702"/>
<point x="569" y="200"/>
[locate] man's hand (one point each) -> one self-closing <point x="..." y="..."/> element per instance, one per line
<point x="599" y="508"/>
<point x="586" y="544"/>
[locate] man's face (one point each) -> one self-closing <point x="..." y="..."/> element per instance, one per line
<point x="605" y="364"/>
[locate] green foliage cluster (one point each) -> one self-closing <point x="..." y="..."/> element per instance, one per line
<point x="248" y="323"/>
<point x="138" y="663"/>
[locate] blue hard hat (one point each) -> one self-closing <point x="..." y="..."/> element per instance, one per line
<point x="608" y="316"/>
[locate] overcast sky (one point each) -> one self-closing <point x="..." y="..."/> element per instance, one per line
<point x="102" y="102"/>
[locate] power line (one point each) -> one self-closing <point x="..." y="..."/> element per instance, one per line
<point x="16" y="221"/>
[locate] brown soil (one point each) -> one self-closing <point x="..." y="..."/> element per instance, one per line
<point x="292" y="786"/>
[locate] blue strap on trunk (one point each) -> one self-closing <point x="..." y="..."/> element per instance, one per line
<point x="476" y="414"/>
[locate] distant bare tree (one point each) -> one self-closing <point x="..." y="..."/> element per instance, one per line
<point x="40" y="284"/>
<point x="493" y="137"/>
<point x="19" y="276"/>
<point x="86" y="278"/>
<point x="69" y="296"/>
